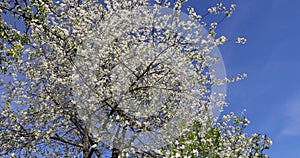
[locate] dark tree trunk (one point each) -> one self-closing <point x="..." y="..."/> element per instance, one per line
<point x="86" y="142"/>
<point x="115" y="153"/>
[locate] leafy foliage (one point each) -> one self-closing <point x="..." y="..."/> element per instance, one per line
<point x="226" y="138"/>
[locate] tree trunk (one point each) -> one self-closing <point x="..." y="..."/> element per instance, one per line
<point x="115" y="153"/>
<point x="86" y="142"/>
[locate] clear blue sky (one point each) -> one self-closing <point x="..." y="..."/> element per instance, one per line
<point x="271" y="57"/>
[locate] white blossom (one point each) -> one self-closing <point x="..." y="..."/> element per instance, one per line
<point x="241" y="40"/>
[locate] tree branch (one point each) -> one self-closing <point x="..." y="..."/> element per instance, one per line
<point x="57" y="137"/>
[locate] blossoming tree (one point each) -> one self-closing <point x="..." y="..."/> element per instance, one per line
<point x="122" y="78"/>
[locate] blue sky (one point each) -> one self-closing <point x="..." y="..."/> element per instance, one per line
<point x="271" y="58"/>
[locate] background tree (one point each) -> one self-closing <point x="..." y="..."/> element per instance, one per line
<point x="118" y="77"/>
<point x="226" y="138"/>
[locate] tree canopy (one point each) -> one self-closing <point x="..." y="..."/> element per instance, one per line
<point x="123" y="78"/>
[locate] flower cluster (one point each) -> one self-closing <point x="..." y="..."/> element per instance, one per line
<point x="220" y="8"/>
<point x="241" y="40"/>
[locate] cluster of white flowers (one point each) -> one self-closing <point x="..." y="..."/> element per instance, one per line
<point x="193" y="14"/>
<point x="241" y="40"/>
<point x="219" y="8"/>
